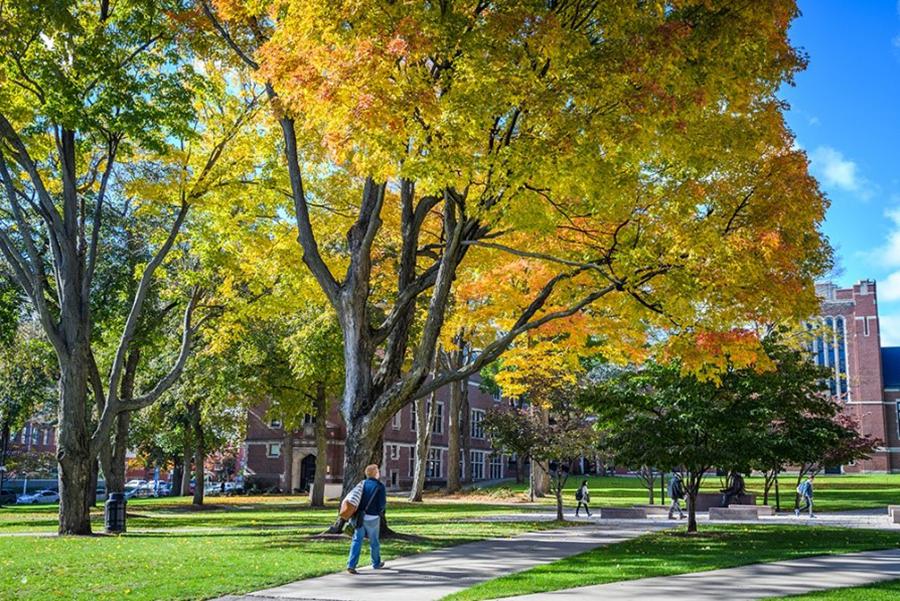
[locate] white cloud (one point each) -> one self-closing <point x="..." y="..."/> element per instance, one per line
<point x="889" y="288"/>
<point x="889" y="326"/>
<point x="835" y="171"/>
<point x="888" y="254"/>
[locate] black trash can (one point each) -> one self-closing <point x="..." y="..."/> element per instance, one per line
<point x="115" y="513"/>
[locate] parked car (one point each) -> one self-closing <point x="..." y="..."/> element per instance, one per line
<point x="7" y="497"/>
<point x="101" y="493"/>
<point x="135" y="483"/>
<point x="42" y="496"/>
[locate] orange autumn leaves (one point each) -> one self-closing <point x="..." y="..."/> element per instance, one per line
<point x="645" y="140"/>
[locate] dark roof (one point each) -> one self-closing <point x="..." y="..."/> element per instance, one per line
<point x="890" y="366"/>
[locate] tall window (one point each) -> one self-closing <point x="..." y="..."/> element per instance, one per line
<point x="829" y="349"/>
<point x="477" y="428"/>
<point x="437" y="424"/>
<point x="496" y="466"/>
<point x="412" y="461"/>
<point x="413" y="417"/>
<point x="308" y="419"/>
<point x="433" y="466"/>
<point x="275" y="424"/>
<point x="395" y="422"/>
<point x="395" y="451"/>
<point x="273" y="450"/>
<point x="476" y="461"/>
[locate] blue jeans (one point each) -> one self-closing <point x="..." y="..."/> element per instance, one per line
<point x="371" y="528"/>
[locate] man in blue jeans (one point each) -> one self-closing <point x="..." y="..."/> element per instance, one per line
<point x="367" y="520"/>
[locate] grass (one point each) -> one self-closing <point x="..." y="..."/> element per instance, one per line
<point x="832" y="493"/>
<point x="883" y="591"/>
<point x="669" y="552"/>
<point x="242" y="544"/>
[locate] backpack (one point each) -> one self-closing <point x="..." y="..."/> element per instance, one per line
<point x="579" y="494"/>
<point x="351" y="502"/>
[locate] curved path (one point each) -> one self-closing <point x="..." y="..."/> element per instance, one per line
<point x="430" y="576"/>
<point x="757" y="581"/>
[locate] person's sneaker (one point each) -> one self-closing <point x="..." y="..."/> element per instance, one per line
<point x="813" y="516"/>
<point x="681" y="517"/>
<point x="379" y="566"/>
<point x="352" y="571"/>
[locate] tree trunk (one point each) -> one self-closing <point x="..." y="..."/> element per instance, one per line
<point x="693" y="487"/>
<point x="465" y="416"/>
<point x="73" y="450"/>
<point x="186" y="470"/>
<point x="424" y="418"/>
<point x="113" y="454"/>
<point x="90" y="498"/>
<point x="199" y="454"/>
<point x="777" y="494"/>
<point x="317" y="498"/>
<point x="4" y="446"/>
<point x="540" y="479"/>
<point x="453" y="437"/>
<point x="116" y="451"/>
<point x="287" y="454"/>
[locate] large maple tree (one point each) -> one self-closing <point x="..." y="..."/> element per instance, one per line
<point x="621" y="167"/>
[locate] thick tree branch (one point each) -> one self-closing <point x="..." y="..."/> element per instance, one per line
<point x="138" y="304"/>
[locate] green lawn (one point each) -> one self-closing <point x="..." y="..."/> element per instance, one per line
<point x="833" y="493"/>
<point x="673" y="552"/>
<point x="884" y="591"/>
<point x="241" y="545"/>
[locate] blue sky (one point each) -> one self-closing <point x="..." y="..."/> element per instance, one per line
<point x="845" y="112"/>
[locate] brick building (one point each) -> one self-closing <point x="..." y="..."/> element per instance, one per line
<point x="865" y="376"/>
<point x="264" y="462"/>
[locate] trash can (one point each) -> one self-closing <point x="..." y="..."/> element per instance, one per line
<point x="115" y="513"/>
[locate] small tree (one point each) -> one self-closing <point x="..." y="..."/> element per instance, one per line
<point x="659" y="416"/>
<point x="553" y="445"/>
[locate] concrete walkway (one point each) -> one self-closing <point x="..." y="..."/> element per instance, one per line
<point x="432" y="575"/>
<point x="757" y="581"/>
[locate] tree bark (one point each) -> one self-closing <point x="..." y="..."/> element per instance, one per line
<point x="540" y="479"/>
<point x="693" y="487"/>
<point x="317" y="498"/>
<point x="777" y="495"/>
<point x="4" y="447"/>
<point x="199" y="453"/>
<point x="287" y="454"/>
<point x="424" y="419"/>
<point x="90" y="498"/>
<point x="454" y="433"/>
<point x="465" y="416"/>
<point x="187" y="452"/>
<point x="73" y="451"/>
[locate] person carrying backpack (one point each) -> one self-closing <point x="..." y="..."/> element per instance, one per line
<point x="805" y="490"/>
<point x="367" y="520"/>
<point x="676" y="493"/>
<point x="583" y="496"/>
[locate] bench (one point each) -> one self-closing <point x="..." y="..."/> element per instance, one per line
<point x="760" y="509"/>
<point x="622" y="513"/>
<point x="653" y="509"/>
<point x="733" y="513"/>
<point x="705" y="500"/>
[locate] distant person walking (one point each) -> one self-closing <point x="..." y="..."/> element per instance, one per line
<point x="583" y="496"/>
<point x="805" y="490"/>
<point x="367" y="521"/>
<point x="676" y="493"/>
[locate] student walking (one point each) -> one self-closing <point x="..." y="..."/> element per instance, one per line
<point x="583" y="496"/>
<point x="676" y="493"/>
<point x="805" y="490"/>
<point x="367" y="520"/>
